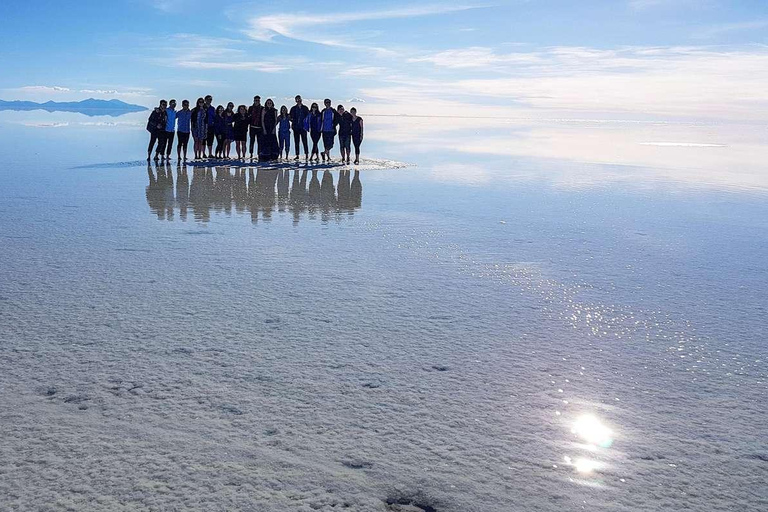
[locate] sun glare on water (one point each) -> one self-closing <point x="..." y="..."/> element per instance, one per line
<point x="593" y="431"/>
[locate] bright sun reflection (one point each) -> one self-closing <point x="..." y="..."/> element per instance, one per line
<point x="593" y="431"/>
<point x="585" y="466"/>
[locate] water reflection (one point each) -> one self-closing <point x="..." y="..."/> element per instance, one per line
<point x="256" y="191"/>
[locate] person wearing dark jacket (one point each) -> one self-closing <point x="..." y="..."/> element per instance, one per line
<point x="229" y="129"/>
<point x="330" y="119"/>
<point x="313" y="123"/>
<point x="297" y="114"/>
<point x="254" y="116"/>
<point x="156" y="127"/>
<point x="269" y="149"/>
<point x="357" y="133"/>
<point x="345" y="132"/>
<point x="210" y="112"/>
<point x="241" y="131"/>
<point x="219" y="131"/>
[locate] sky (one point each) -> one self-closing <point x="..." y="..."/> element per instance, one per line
<point x="628" y="59"/>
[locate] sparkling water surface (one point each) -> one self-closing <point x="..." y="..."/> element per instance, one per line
<point x="530" y="315"/>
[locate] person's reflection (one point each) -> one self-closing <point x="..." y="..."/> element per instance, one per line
<point x="356" y="191"/>
<point x="239" y="190"/>
<point x="201" y="193"/>
<point x="182" y="190"/>
<point x="160" y="191"/>
<point x="298" y="194"/>
<point x="283" y="177"/>
<point x="327" y="195"/>
<point x="169" y="199"/>
<point x="263" y="190"/>
<point x="343" y="188"/>
<point x="313" y="197"/>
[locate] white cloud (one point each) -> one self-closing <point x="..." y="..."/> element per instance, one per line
<point x="363" y="71"/>
<point x="310" y="27"/>
<point x="677" y="81"/>
<point x="263" y="66"/>
<point x="717" y="30"/>
<point x="476" y="57"/>
<point x="43" y="88"/>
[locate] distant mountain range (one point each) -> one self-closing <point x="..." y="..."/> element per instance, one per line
<point x="89" y="107"/>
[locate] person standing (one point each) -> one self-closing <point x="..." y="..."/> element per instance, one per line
<point x="330" y="119"/>
<point x="268" y="149"/>
<point x="183" y="118"/>
<point x="156" y="127"/>
<point x="357" y="133"/>
<point x="241" y="131"/>
<point x="284" y="132"/>
<point x="219" y="131"/>
<point x="170" y="128"/>
<point x="211" y="113"/>
<point x="229" y="131"/>
<point x="298" y="113"/>
<point x="200" y="127"/>
<point x="313" y="123"/>
<point x="345" y="132"/>
<point x="255" y="129"/>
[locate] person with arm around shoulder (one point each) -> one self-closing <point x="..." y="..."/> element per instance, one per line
<point x="156" y="129"/>
<point x="345" y="133"/>
<point x="298" y="114"/>
<point x="357" y="133"/>
<point x="219" y="131"/>
<point x="330" y="118"/>
<point x="254" y="115"/>
<point x="183" y="118"/>
<point x="241" y="131"/>
<point x="211" y="114"/>
<point x="170" y="128"/>
<point x="199" y="122"/>
<point x="269" y="150"/>
<point x="284" y="133"/>
<point x="313" y="123"/>
<point x="229" y="130"/>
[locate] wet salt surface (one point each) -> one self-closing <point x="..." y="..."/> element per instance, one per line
<point x="222" y="339"/>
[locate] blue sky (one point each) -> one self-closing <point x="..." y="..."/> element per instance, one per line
<point x="619" y="57"/>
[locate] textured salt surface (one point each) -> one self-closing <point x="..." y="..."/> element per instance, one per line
<point x="413" y="345"/>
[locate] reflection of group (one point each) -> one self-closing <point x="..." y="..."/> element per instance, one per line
<point x="269" y="130"/>
<point x="247" y="189"/>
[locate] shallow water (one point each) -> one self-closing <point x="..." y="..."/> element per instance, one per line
<point x="536" y="315"/>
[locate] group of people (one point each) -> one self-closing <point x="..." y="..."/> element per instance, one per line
<point x="269" y="130"/>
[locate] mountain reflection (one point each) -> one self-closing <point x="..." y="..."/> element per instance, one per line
<point x="259" y="192"/>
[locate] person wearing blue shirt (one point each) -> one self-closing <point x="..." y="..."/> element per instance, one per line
<point x="330" y="118"/>
<point x="183" y="121"/>
<point x="284" y="132"/>
<point x="170" y="127"/>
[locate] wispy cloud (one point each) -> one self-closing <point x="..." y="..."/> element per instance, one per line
<point x="677" y="81"/>
<point x="191" y="51"/>
<point x="43" y="88"/>
<point x="262" y="66"/>
<point x="312" y="27"/>
<point x="718" y="30"/>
